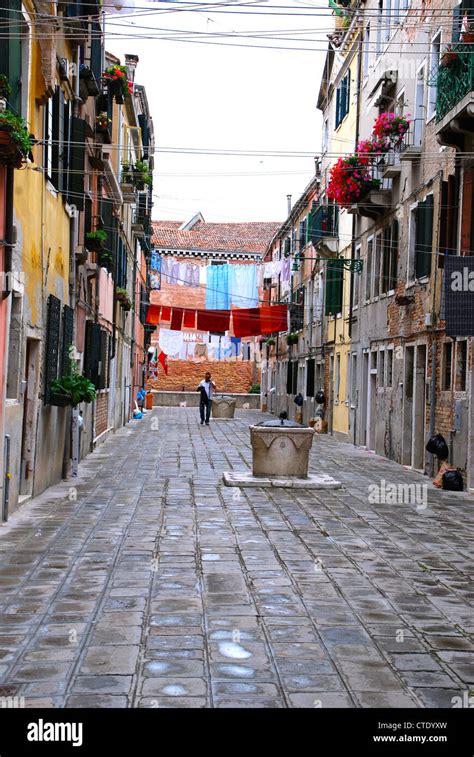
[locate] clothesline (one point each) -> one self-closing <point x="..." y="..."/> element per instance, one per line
<point x="268" y="319"/>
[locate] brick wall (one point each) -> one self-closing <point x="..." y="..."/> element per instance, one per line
<point x="228" y="376"/>
<point x="101" y="416"/>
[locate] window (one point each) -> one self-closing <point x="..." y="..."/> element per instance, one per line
<point x="389" y="376"/>
<point x="354" y="381"/>
<point x="381" y="369"/>
<point x="356" y="282"/>
<point x="337" y="383"/>
<point x="380" y="20"/>
<point x="325" y="137"/>
<point x="377" y="264"/>
<point x="461" y="365"/>
<point x="366" y="51"/>
<point x="409" y="363"/>
<point x="334" y="281"/>
<point x="14" y="348"/>
<point x="420" y="108"/>
<point x="386" y="255"/>
<point x="343" y="93"/>
<point x="447" y="365"/>
<point x="318" y="296"/>
<point x="421" y="239"/>
<point x="393" y="269"/>
<point x="48" y="138"/>
<point x="302" y="233"/>
<point x="424" y="237"/>
<point x="387" y="18"/>
<point x="292" y="377"/>
<point x="368" y="269"/>
<point x="435" y="54"/>
<point x="319" y="377"/>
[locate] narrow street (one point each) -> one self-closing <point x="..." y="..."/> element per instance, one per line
<point x="153" y="585"/>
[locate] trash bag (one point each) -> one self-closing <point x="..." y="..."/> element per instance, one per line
<point x="437" y="446"/>
<point x="299" y="400"/>
<point x="320" y="398"/>
<point x="452" y="481"/>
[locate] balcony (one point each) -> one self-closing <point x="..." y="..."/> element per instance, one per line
<point x="324" y="229"/>
<point x="410" y="147"/>
<point x="391" y="165"/>
<point x="455" y="98"/>
<point x="378" y="201"/>
<point x="138" y="223"/>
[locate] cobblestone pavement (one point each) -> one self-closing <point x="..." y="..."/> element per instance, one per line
<point x="160" y="587"/>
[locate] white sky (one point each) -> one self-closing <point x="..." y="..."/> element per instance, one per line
<point x="213" y="96"/>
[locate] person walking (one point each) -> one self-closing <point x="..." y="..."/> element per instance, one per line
<point x="207" y="388"/>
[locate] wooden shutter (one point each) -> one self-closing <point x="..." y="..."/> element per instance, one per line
<point x="424" y="237"/>
<point x="348" y="92"/>
<point x="333" y="289"/>
<point x="289" y="377"/>
<point x="58" y="173"/>
<point x="444" y="219"/>
<point x="102" y="370"/>
<point x="310" y="378"/>
<point x="51" y="344"/>
<point x="467" y="212"/>
<point x="68" y="335"/>
<point x="10" y="50"/>
<point x="92" y="352"/>
<point x="77" y="163"/>
<point x="96" y="52"/>
<point x="338" y="106"/>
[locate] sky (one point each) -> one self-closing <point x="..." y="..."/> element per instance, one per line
<point x="211" y="96"/>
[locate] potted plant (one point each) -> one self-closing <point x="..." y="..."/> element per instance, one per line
<point x="128" y="173"/>
<point x="115" y="79"/>
<point x="448" y="55"/>
<point x="142" y="175"/>
<point x="390" y="129"/>
<point x="350" y="178"/>
<point x="270" y="342"/>
<point x="95" y="240"/>
<point x="292" y="338"/>
<point x="72" y="388"/>
<point x="123" y="298"/>
<point x="5" y="88"/>
<point x="102" y="121"/>
<point x="106" y="260"/>
<point x="15" y="140"/>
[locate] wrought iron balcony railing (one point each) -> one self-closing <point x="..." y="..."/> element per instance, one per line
<point x="455" y="80"/>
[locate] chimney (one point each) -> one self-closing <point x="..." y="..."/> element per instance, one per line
<point x="131" y="64"/>
<point x="288" y="198"/>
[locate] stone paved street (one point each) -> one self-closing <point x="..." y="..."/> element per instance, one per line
<point x="160" y="587"/>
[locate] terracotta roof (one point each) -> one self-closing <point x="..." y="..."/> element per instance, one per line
<point x="252" y="237"/>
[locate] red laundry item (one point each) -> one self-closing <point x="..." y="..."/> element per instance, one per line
<point x="246" y="322"/>
<point x="177" y="319"/>
<point x="163" y="360"/>
<point x="189" y="320"/>
<point x="213" y="320"/>
<point x="165" y="313"/>
<point x="153" y="314"/>
<point x="273" y="318"/>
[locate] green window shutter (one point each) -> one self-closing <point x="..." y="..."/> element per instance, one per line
<point x="92" y="352"/>
<point x="333" y="289"/>
<point x="68" y="335"/>
<point x="77" y="163"/>
<point x="338" y="106"/>
<point x="51" y="344"/>
<point x="96" y="52"/>
<point x="10" y="50"/>
<point x="424" y="237"/>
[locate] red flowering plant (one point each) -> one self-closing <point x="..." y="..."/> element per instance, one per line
<point x="351" y="178"/>
<point x="390" y="129"/>
<point x="117" y="77"/>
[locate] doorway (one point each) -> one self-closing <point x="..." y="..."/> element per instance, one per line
<point x="30" y="411"/>
<point x="363" y="404"/>
<point x="419" y="398"/>
<point x="408" y="383"/>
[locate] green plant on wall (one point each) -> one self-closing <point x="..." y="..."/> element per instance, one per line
<point x="73" y="387"/>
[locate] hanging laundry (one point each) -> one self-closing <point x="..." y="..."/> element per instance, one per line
<point x="203" y="274"/>
<point x="243" y="286"/>
<point x="170" y="341"/>
<point x="189" y="319"/>
<point x="273" y="318"/>
<point x="153" y="314"/>
<point x="217" y="287"/>
<point x="155" y="280"/>
<point x="246" y="322"/>
<point x="200" y="350"/>
<point x="268" y="270"/>
<point x="155" y="262"/>
<point x="166" y="269"/>
<point x="213" y="320"/>
<point x="286" y="269"/>
<point x="165" y="313"/>
<point x="173" y="270"/>
<point x="182" y="274"/>
<point x="235" y="343"/>
<point x="195" y="278"/>
<point x="177" y="319"/>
